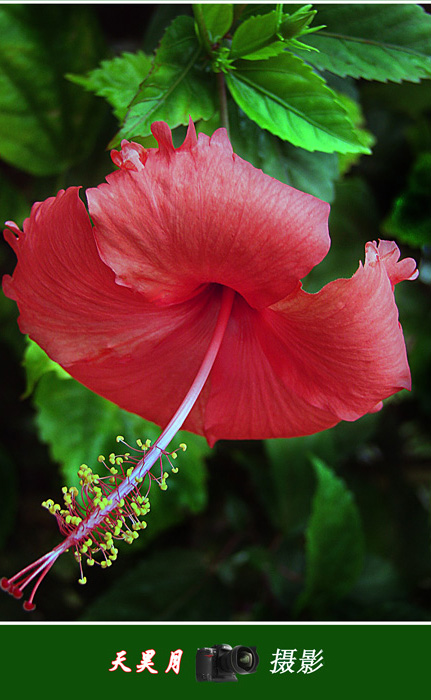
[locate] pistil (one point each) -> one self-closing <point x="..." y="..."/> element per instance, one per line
<point x="103" y="510"/>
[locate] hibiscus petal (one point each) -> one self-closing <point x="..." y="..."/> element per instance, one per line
<point x="68" y="299"/>
<point x="312" y="359"/>
<point x="201" y="214"/>
<point x="138" y="355"/>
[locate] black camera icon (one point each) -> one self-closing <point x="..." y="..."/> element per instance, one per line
<point x="221" y="662"/>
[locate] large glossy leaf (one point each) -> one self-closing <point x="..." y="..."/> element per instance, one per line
<point x="46" y="123"/>
<point x="334" y="542"/>
<point x="373" y="41"/>
<point x="177" y="86"/>
<point x="285" y="96"/>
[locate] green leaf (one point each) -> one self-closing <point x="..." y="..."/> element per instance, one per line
<point x="254" y="33"/>
<point x="263" y="36"/>
<point x="218" y="18"/>
<point x="176" y="88"/>
<point x="46" y="123"/>
<point x="334" y="542"/>
<point x="314" y="173"/>
<point x="356" y="116"/>
<point x="273" y="49"/>
<point x="37" y="363"/>
<point x="292" y="480"/>
<point x="78" y="425"/>
<point x="117" y="80"/>
<point x="285" y="96"/>
<point x="373" y="41"/>
<point x="410" y="218"/>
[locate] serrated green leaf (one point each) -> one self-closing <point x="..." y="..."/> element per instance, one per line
<point x="254" y="33"/>
<point x="117" y="80"/>
<point x="78" y="425"/>
<point x="334" y="542"/>
<point x="286" y="97"/>
<point x="410" y="218"/>
<point x="263" y="36"/>
<point x="314" y="173"/>
<point x="46" y="123"/>
<point x="218" y="18"/>
<point x="176" y="88"/>
<point x="373" y="41"/>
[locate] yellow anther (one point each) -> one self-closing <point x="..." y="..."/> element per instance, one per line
<point x="174" y="455"/>
<point x="101" y="458"/>
<point x="183" y="446"/>
<point x="120" y="438"/>
<point x="112" y="458"/>
<point x="129" y="471"/>
<point x="147" y="442"/>
<point x="139" y="442"/>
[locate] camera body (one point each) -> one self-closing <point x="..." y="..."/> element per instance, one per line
<point x="221" y="663"/>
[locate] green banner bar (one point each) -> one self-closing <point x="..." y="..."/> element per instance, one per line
<point x="303" y="661"/>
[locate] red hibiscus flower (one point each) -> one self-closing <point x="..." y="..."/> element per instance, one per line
<point x="127" y="303"/>
<point x="186" y="282"/>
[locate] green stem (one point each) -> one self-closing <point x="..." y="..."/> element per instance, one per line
<point x="221" y="89"/>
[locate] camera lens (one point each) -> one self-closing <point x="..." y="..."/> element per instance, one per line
<point x="245" y="660"/>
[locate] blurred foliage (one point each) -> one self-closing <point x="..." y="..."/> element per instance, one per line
<point x="334" y="526"/>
